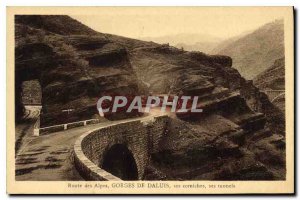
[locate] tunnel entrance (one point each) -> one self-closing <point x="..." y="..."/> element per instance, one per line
<point x="119" y="161"/>
<point x="31" y="92"/>
<point x="28" y="99"/>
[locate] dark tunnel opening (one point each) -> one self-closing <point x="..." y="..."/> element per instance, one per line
<point x="119" y="161"/>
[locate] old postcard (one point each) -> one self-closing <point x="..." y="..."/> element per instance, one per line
<point x="150" y="100"/>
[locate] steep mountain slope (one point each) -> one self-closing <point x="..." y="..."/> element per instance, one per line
<point x="58" y="24"/>
<point x="73" y="71"/>
<point x="273" y="78"/>
<point x="224" y="43"/>
<point x="253" y="53"/>
<point x="240" y="130"/>
<point x="208" y="45"/>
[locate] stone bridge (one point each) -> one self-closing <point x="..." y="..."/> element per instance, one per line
<point x="274" y="94"/>
<point x="120" y="151"/>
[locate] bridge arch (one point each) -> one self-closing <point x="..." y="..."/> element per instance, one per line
<point x="119" y="161"/>
<point x="135" y="139"/>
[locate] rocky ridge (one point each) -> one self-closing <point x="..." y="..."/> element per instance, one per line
<point x="239" y="136"/>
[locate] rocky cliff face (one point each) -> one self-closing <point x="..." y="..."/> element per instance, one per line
<point x="73" y="71"/>
<point x="240" y="131"/>
<point x="229" y="140"/>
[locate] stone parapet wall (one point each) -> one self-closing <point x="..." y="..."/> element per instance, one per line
<point x="156" y="130"/>
<point x="87" y="168"/>
<point x="136" y="135"/>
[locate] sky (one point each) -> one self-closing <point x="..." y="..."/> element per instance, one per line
<point x="135" y="22"/>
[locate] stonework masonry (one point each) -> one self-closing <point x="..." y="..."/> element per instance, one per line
<point x="141" y="137"/>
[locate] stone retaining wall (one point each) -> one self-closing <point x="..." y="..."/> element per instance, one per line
<point x="136" y="135"/>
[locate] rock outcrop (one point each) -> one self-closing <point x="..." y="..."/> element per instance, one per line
<point x="73" y="71"/>
<point x="240" y="134"/>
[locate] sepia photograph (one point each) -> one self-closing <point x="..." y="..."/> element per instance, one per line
<point x="165" y="99"/>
